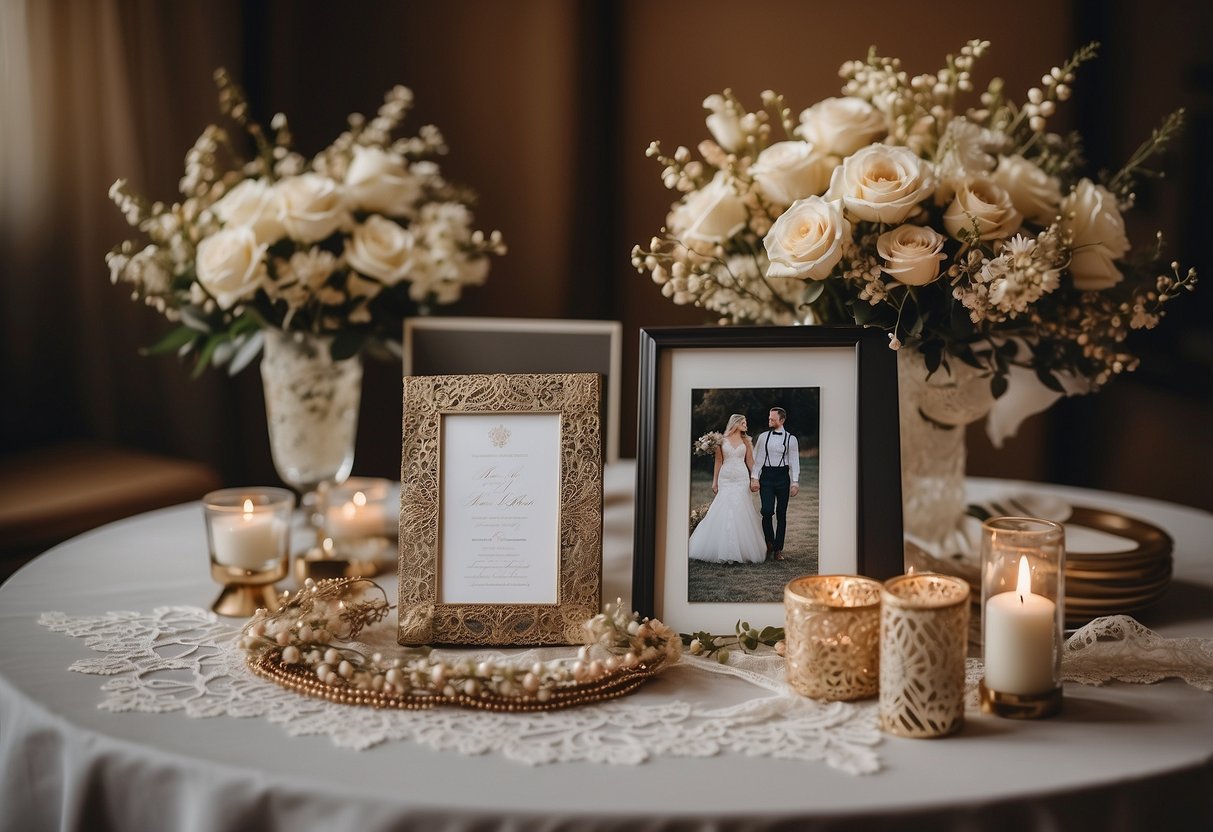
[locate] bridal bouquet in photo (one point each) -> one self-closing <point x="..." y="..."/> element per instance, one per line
<point x="343" y="245"/>
<point x="954" y="220"/>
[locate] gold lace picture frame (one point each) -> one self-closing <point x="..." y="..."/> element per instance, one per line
<point x="500" y="509"/>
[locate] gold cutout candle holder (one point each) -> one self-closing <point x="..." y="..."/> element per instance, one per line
<point x="1023" y="616"/>
<point x="248" y="534"/>
<point x="832" y="629"/>
<point x="924" y="627"/>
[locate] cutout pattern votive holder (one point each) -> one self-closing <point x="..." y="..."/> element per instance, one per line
<point x="924" y="627"/>
<point x="832" y="632"/>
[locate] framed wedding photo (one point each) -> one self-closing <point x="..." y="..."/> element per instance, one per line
<point x="764" y="454"/>
<point x="501" y="509"/>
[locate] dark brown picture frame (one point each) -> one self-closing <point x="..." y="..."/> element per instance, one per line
<point x="879" y="547"/>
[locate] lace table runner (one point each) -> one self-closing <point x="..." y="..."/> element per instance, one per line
<point x="184" y="659"/>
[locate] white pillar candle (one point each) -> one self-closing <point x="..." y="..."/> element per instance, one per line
<point x="246" y="540"/>
<point x="1019" y="629"/>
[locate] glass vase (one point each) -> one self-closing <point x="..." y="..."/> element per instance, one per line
<point x="311" y="407"/>
<point x="934" y="412"/>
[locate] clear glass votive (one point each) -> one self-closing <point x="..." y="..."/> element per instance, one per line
<point x="924" y="630"/>
<point x="248" y="533"/>
<point x="832" y="632"/>
<point x="1023" y="616"/>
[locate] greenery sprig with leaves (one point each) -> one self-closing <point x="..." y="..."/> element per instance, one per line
<point x="744" y="636"/>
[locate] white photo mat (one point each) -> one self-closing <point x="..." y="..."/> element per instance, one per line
<point x="834" y="371"/>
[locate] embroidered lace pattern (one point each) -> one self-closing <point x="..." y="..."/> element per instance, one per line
<point x="184" y="660"/>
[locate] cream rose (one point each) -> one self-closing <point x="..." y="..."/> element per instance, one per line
<point x="880" y="183"/>
<point x="841" y="126"/>
<point x="724" y="123"/>
<point x="807" y="239"/>
<point x="311" y="207"/>
<point x="378" y="181"/>
<point x="1036" y="194"/>
<point x="911" y="254"/>
<point x="252" y="204"/>
<point x="1097" y="230"/>
<point x="711" y="214"/>
<point x="230" y="265"/>
<point x="381" y="249"/>
<point x="788" y="171"/>
<point x="982" y="204"/>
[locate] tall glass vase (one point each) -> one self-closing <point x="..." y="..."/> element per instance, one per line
<point x="311" y="406"/>
<point x="934" y="413"/>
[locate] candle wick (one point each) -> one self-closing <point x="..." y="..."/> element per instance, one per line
<point x="1021" y="599"/>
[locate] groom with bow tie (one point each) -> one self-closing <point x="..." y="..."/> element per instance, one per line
<point x="777" y="463"/>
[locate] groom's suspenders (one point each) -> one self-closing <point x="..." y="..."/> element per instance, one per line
<point x="767" y="448"/>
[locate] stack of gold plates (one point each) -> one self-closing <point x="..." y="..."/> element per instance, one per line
<point x="1114" y="564"/>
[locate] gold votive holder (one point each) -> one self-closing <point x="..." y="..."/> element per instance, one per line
<point x="1022" y="616"/>
<point x="248" y="534"/>
<point x="924" y="627"/>
<point x="832" y="633"/>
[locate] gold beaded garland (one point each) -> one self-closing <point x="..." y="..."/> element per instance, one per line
<point x="638" y="651"/>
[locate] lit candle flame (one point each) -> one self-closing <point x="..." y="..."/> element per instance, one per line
<point x="359" y="498"/>
<point x="248" y="509"/>
<point x="1024" y="584"/>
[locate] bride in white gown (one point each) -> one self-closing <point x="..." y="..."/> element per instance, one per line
<point x="731" y="530"/>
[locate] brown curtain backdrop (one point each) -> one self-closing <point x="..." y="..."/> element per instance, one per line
<point x="547" y="106"/>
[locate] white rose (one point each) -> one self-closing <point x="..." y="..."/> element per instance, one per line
<point x="788" y="171"/>
<point x="381" y="249"/>
<point x="711" y="214"/>
<point x="378" y="181"/>
<point x="841" y="125"/>
<point x="982" y="204"/>
<point x="252" y="204"/>
<point x="231" y="265"/>
<point x="881" y="183"/>
<point x="724" y="123"/>
<point x="911" y="253"/>
<point x="1097" y="230"/>
<point x="1036" y="194"/>
<point x="311" y="207"/>
<point x="807" y="240"/>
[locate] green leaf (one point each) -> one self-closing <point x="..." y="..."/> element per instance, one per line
<point x="347" y="344"/>
<point x="192" y="317"/>
<point x="813" y="291"/>
<point x="998" y="385"/>
<point x="248" y="347"/>
<point x="1049" y="380"/>
<point x="175" y="340"/>
<point x="208" y="350"/>
<point x="863" y="312"/>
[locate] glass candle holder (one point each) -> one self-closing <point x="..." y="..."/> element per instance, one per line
<point x="1023" y="616"/>
<point x="832" y="630"/>
<point x="360" y="524"/>
<point x="248" y="534"/>
<point x="924" y="629"/>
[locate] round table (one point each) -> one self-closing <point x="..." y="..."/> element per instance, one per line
<point x="1119" y="757"/>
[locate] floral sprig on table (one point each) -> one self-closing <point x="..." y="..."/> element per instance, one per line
<point x="746" y="637"/>
<point x="345" y="244"/>
<point x="964" y="229"/>
<point x="299" y="647"/>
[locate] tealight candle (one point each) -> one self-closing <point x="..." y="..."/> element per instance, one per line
<point x="248" y="537"/>
<point x="355" y="518"/>
<point x="1023" y="599"/>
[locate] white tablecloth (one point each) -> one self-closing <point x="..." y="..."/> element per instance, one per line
<point x="1119" y="757"/>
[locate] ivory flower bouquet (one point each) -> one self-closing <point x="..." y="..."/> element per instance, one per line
<point x="965" y="230"/>
<point x="344" y="244"/>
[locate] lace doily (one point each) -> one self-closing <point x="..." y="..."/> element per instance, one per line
<point x="185" y="660"/>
